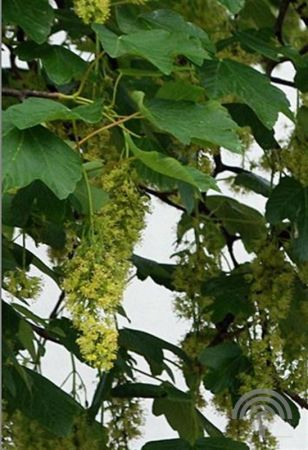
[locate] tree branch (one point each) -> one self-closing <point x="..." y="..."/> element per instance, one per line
<point x="44" y="334"/>
<point x="55" y="310"/>
<point x="297" y="399"/>
<point x="283" y="9"/>
<point x="163" y="196"/>
<point x="281" y="81"/>
<point x="24" y="93"/>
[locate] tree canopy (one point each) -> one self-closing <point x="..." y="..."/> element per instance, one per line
<point x="107" y="105"/>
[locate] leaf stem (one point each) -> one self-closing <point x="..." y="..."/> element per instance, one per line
<point x="90" y="200"/>
<point x="135" y="115"/>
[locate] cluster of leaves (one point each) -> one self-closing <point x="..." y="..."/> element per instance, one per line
<point x="172" y="91"/>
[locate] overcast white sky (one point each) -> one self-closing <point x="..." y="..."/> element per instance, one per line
<point x="150" y="308"/>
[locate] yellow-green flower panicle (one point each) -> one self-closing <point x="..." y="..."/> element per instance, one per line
<point x="96" y="276"/>
<point x="91" y="11"/>
<point x="21" y="285"/>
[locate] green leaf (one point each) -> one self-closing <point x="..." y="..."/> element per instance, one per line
<point x="254" y="40"/>
<point x="180" y="91"/>
<point x="301" y="126"/>
<point x="285" y="201"/>
<point x="254" y="182"/>
<point x="180" y="413"/>
<point x="299" y="246"/>
<point x="167" y="444"/>
<point x="219" y="443"/>
<point x="190" y="122"/>
<point x="159" y="47"/>
<point x="208" y="426"/>
<point x="35" y="17"/>
<point x="245" y="117"/>
<point x="61" y="64"/>
<point x="155" y="179"/>
<point x="289" y="200"/>
<point x="238" y="218"/>
<point x="26" y="337"/>
<point x="161" y="273"/>
<point x="224" y="362"/>
<point x="94" y="168"/>
<point x="35" y="199"/>
<point x="29" y="314"/>
<point x="98" y="199"/>
<point x="8" y="260"/>
<point x="301" y="78"/>
<point x="172" y="168"/>
<point x="259" y="13"/>
<point x="174" y="22"/>
<point x="230" y="294"/>
<point x="68" y="21"/>
<point x="37" y="154"/>
<point x="150" y="347"/>
<point x="139" y="390"/>
<point x="234" y="6"/>
<point x="34" y="111"/>
<point x="227" y="77"/>
<point x="295" y="416"/>
<point x="49" y="405"/>
<point x="215" y="357"/>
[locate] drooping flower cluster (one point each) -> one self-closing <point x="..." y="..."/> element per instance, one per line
<point x="21" y="285"/>
<point x="96" y="276"/>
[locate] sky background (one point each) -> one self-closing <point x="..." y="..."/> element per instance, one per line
<point x="150" y="307"/>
